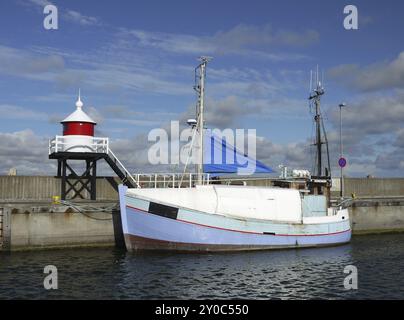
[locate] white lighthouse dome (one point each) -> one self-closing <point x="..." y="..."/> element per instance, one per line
<point x="79" y="115"/>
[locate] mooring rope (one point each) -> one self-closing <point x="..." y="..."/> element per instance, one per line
<point x="85" y="209"/>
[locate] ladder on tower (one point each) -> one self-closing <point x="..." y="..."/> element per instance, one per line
<point x="120" y="170"/>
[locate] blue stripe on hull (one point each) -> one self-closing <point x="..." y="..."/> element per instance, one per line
<point x="153" y="227"/>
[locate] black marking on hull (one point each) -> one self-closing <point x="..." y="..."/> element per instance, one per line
<point x="163" y="210"/>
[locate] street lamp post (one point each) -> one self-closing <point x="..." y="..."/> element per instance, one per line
<point x="341" y="150"/>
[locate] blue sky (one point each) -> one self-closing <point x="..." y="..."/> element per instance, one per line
<point x="134" y="60"/>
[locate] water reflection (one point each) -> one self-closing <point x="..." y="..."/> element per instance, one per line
<point x="286" y="274"/>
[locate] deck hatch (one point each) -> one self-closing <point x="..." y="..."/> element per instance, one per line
<point x="163" y="210"/>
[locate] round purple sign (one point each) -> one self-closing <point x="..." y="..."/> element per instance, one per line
<point x="342" y="162"/>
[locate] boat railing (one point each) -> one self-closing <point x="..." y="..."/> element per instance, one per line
<point x="181" y="180"/>
<point x="170" y="180"/>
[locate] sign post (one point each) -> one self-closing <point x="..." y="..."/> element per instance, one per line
<point x="342" y="160"/>
<point x="342" y="164"/>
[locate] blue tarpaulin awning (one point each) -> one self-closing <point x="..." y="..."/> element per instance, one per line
<point x="221" y="158"/>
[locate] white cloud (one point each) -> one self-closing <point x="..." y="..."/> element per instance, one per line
<point x="81" y="19"/>
<point x="99" y="75"/>
<point x="25" y="151"/>
<point x="16" y="112"/>
<point x="371" y="115"/>
<point x="377" y="76"/>
<point x="372" y="131"/>
<point x="41" y="3"/>
<point x="246" y="40"/>
<point x="19" y="62"/>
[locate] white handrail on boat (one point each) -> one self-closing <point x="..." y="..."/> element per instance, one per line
<point x="169" y="180"/>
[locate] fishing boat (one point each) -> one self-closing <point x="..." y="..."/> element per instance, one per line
<point x="209" y="217"/>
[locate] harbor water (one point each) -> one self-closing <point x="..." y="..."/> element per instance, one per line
<point x="110" y="273"/>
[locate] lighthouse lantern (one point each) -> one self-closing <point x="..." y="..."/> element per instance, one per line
<point x="78" y="130"/>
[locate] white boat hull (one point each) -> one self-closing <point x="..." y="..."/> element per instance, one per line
<point x="152" y="225"/>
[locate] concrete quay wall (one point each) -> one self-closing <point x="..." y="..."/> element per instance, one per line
<point x="29" y="220"/>
<point x="29" y="226"/>
<point x="371" y="216"/>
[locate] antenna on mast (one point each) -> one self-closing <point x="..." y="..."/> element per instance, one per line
<point x="322" y="77"/>
<point x="311" y="81"/>
<point x="205" y="59"/>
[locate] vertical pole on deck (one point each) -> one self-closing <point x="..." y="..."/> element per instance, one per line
<point x="94" y="181"/>
<point x="200" y="124"/>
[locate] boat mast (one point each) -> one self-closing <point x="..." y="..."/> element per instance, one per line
<point x="318" y="136"/>
<point x="200" y="75"/>
<point x="315" y="96"/>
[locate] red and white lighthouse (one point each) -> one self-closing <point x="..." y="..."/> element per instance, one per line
<point x="78" y="130"/>
<point x="78" y="144"/>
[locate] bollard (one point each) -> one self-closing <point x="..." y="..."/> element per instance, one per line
<point x="56" y="200"/>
